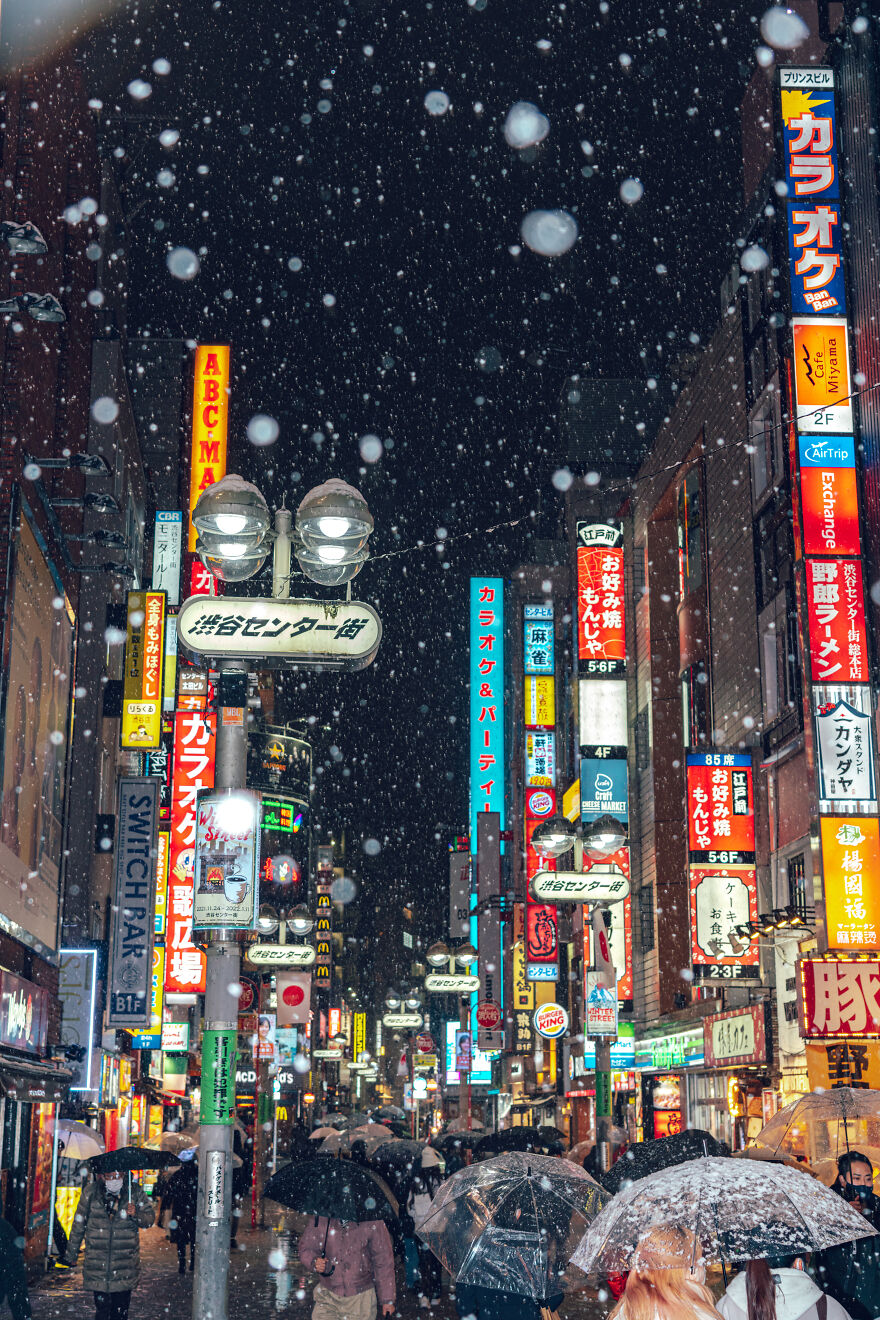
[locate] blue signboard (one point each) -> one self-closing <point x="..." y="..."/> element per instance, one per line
<point x="538" y="639"/>
<point x="481" y="1072"/>
<point x="487" y="764"/>
<point x="815" y="258"/>
<point x="809" y="133"/>
<point x="603" y="789"/>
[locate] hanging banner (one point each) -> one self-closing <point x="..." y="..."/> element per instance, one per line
<point x="161" y="906"/>
<point x="487" y="762"/>
<point x="721" y="818"/>
<point x="538" y="648"/>
<point x="542" y="942"/>
<point x="839" y="998"/>
<point x="132" y="917"/>
<point x="167" y="550"/>
<point x="601" y="613"/>
<point x="836" y="616"/>
<point x="210" y="415"/>
<point x="523" y="989"/>
<point x="194" y="741"/>
<point x="293" y="991"/>
<point x="613" y="870"/>
<point x="227" y="861"/>
<point x="144" y="664"/>
<point x="844" y="750"/>
<point x="829" y="494"/>
<point x="851" y="866"/>
<point x="721" y="900"/>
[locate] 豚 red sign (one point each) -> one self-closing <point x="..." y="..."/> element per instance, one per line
<point x="839" y="998"/>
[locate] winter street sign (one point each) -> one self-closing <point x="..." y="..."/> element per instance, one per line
<point x="264" y="632"/>
<point x="281" y="955"/>
<point x="592" y="886"/>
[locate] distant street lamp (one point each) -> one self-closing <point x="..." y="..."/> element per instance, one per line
<point x="38" y="306"/>
<point x="24" y="238"/>
<point x="438" y="954"/>
<point x="466" y="954"/>
<point x="392" y="998"/>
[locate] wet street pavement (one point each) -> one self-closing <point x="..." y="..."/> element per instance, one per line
<point x="257" y="1287"/>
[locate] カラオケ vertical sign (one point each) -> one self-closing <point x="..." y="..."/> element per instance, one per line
<point x="487" y="769"/>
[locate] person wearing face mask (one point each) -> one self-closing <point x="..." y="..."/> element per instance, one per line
<point x="112" y="1211"/>
<point x="850" y="1273"/>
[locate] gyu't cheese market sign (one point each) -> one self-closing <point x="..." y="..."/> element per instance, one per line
<point x="320" y="634"/>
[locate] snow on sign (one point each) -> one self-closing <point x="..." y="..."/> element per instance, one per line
<point x="320" y="634"/>
<point x="838" y="998"/>
<point x="721" y="817"/>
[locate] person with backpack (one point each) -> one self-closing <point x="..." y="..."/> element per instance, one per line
<point x="778" y="1289"/>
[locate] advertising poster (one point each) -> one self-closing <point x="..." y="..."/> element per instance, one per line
<point x="38" y="641"/>
<point x="217" y="1103"/>
<point x="602" y="718"/>
<point x="144" y="667"/>
<point x="227" y="860"/>
<point x="604" y="789"/>
<point x="487" y="762"/>
<point x="829" y="494"/>
<point x="851" y="866"/>
<point x="601" y="614"/>
<point x="279" y="764"/>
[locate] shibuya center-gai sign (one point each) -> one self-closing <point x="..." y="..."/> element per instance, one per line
<point x="325" y="634"/>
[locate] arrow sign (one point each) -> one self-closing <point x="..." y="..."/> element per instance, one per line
<point x="572" y="887"/>
<point x="277" y="634"/>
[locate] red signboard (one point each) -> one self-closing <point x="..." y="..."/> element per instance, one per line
<point x="194" y="736"/>
<point x="534" y="861"/>
<point x="722" y="898"/>
<point x="830" y="503"/>
<point x="542" y="933"/>
<point x="601" y="609"/>
<point x="839" y="998"/>
<point x="621" y="929"/>
<point x="540" y="803"/>
<point x="721" y="815"/>
<point x="836" y="614"/>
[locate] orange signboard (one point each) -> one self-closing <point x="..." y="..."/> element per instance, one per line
<point x="821" y="372"/>
<point x="851" y="868"/>
<point x="210" y="421"/>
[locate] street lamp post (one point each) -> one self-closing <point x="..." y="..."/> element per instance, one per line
<point x="330" y="542"/>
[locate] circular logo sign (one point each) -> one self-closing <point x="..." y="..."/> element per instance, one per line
<point x="293" y="995"/>
<point x="540" y="803"/>
<point x="425" y="1043"/>
<point x="247" y="997"/>
<point x="551" y="1021"/>
<point x="489" y="1016"/>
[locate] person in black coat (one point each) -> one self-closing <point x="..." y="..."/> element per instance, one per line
<point x="182" y="1193"/>
<point x="13" y="1278"/>
<point x="850" y="1273"/>
<point x="475" y="1303"/>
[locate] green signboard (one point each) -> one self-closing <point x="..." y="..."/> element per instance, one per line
<point x="603" y="1094"/>
<point x="218" y="1076"/>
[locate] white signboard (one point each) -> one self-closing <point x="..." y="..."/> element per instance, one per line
<point x="721" y="903"/>
<point x="214" y="1184"/>
<point x="167" y="537"/>
<point x="785" y="953"/>
<point x="281" y="955"/>
<point x="77" y="978"/>
<point x="598" y="885"/>
<point x="401" y="1021"/>
<point x="844" y="750"/>
<point x="175" y="1037"/>
<point x="444" y="983"/>
<point x="602" y="712"/>
<point x="322" y="634"/>
<point x="227" y="860"/>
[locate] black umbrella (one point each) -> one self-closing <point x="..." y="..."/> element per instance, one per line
<point x="650" y="1156"/>
<point x="129" y="1158"/>
<point x="525" y="1138"/>
<point x="336" y="1189"/>
<point x="458" y="1141"/>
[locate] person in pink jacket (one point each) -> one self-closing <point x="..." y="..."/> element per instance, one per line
<point x="356" y="1264"/>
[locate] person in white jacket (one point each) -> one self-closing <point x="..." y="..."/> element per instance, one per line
<point x="778" y="1289"/>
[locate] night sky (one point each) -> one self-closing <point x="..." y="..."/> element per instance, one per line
<point x="304" y="139"/>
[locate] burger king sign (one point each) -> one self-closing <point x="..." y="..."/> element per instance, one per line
<point x="551" y="1021"/>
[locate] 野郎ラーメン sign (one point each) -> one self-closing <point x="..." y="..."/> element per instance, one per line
<point x="722" y="898"/>
<point x="194" y="743"/>
<point x="601" y="616"/>
<point x="227" y="860"/>
<point x="210" y="418"/>
<point x="838" y="998"/>
<point x="836" y="614"/>
<point x="538" y="647"/>
<point x="144" y="664"/>
<point x="721" y="819"/>
<point x="129" y="975"/>
<point x="851" y="865"/>
<point x="829" y="494"/>
<point x="736" y="1038"/>
<point x="844" y="748"/>
<point x="821" y="374"/>
<point x="333" y="634"/>
<point x="487" y="762"/>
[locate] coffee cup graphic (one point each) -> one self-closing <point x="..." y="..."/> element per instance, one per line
<point x="235" y="888"/>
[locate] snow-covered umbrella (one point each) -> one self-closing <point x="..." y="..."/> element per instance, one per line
<point x="714" y="1209"/>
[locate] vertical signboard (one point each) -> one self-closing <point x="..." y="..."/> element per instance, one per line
<point x="601" y="615"/>
<point x="324" y="918"/>
<point x="167" y="549"/>
<point x="829" y="495"/>
<point x="851" y="866"/>
<point x="227" y="861"/>
<point x="77" y="982"/>
<point x="144" y="663"/>
<point x="459" y="895"/>
<point x="523" y="989"/>
<point x="836" y="621"/>
<point x="487" y="763"/>
<point x="131" y="925"/>
<point x="210" y="419"/>
<point x="489" y="925"/>
<point x="538" y="639"/>
<point x="194" y="741"/>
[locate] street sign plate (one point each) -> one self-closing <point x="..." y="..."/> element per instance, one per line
<point x="593" y="886"/>
<point x="451" y="983"/>
<point x="401" y="1020"/>
<point x="269" y="633"/>
<point x="281" y="955"/>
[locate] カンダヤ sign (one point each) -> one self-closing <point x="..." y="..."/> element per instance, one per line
<point x="321" y="634"/>
<point x="851" y="866"/>
<point x="844" y="749"/>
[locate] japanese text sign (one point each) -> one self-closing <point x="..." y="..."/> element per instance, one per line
<point x="821" y="374"/>
<point x="540" y="759"/>
<point x="851" y="868"/>
<point x="335" y="634"/>
<point x="836" y="614"/>
<point x="210" y="419"/>
<point x="167" y="536"/>
<point x="844" y="750"/>
<point x="144" y="663"/>
<point x="227" y="861"/>
<point x="194" y="739"/>
<point x="721" y="818"/>
<point x="815" y="263"/>
<point x="487" y="762"/>
<point x="843" y="1063"/>
<point x="839" y="998"/>
<point x="540" y="703"/>
<point x="601" y="616"/>
<point x="538" y="657"/>
<point x="735" y="1038"/>
<point x="132" y="912"/>
<point x="829" y="495"/>
<point x="809" y="133"/>
<point x="722" y="898"/>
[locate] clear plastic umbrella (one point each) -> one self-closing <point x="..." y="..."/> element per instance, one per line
<point x="174" y="1141"/>
<point x="512" y="1222"/>
<point x="716" y="1209"/>
<point x="825" y="1124"/>
<point x="371" y="1134"/>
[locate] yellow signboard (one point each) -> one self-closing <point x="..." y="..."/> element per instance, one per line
<point x="359" y="1039"/>
<point x="210" y="421"/>
<point x="832" y="1063"/>
<point x="144" y="663"/>
<point x="540" y="695"/>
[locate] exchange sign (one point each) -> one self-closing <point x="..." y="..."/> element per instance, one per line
<point x="829" y="494"/>
<point x="320" y="634"/>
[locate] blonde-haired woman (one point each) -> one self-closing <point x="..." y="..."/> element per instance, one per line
<point x="667" y="1280"/>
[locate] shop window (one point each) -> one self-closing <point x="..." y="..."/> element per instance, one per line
<point x="690" y="535"/>
<point x="797" y="882"/>
<point x="774" y="549"/>
<point x="646" y="918"/>
<point x="695" y="705"/>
